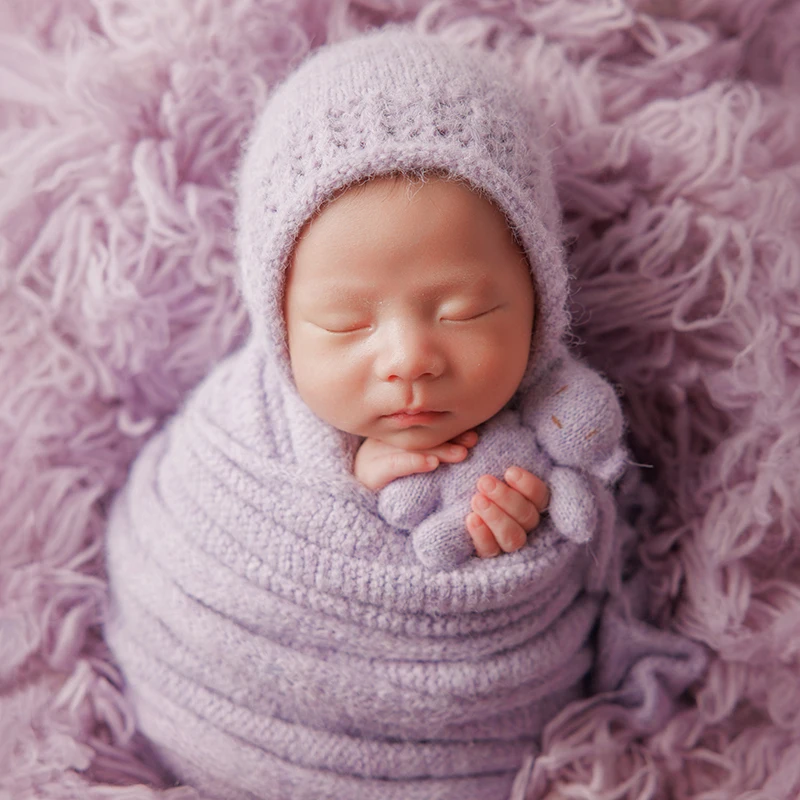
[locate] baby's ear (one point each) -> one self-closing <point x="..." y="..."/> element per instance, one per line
<point x="577" y="419"/>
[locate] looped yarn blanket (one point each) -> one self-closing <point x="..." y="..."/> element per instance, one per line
<point x="674" y="126"/>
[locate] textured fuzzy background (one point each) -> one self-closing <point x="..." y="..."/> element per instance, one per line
<point x="675" y="125"/>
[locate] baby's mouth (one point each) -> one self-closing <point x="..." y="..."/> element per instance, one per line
<point x="408" y="417"/>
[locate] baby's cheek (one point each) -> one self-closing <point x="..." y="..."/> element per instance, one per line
<point x="494" y="372"/>
<point x="331" y="393"/>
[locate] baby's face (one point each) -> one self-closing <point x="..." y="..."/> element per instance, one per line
<point x="409" y="311"/>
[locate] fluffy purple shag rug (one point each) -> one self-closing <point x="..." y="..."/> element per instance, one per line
<point x="675" y="126"/>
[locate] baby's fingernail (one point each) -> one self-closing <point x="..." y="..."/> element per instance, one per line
<point x="513" y="473"/>
<point x="487" y="484"/>
<point x="455" y="450"/>
<point x="431" y="461"/>
<point x="482" y="503"/>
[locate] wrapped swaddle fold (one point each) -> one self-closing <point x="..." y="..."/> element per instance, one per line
<point x="274" y="606"/>
<point x="279" y="637"/>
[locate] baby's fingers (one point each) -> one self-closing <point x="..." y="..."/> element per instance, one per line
<point x="507" y="532"/>
<point x="467" y="439"/>
<point x="400" y="464"/>
<point x="511" y="502"/>
<point x="485" y="544"/>
<point x="449" y="452"/>
<point x="529" y="486"/>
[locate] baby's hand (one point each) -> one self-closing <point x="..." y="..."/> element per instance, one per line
<point x="503" y="514"/>
<point x="378" y="463"/>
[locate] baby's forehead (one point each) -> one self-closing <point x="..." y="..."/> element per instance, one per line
<point x="435" y="230"/>
<point x="374" y="203"/>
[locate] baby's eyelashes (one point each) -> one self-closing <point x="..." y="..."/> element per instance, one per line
<point x="342" y="327"/>
<point x="467" y="315"/>
<point x="341" y="323"/>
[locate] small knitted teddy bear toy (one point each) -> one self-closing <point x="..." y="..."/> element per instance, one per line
<point x="567" y="432"/>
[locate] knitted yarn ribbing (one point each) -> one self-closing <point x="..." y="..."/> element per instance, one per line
<point x="280" y="640"/>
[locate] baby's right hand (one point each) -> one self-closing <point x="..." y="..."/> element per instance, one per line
<point x="378" y="463"/>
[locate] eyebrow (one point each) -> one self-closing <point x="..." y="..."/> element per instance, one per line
<point x="342" y="292"/>
<point x="324" y="293"/>
<point x="480" y="283"/>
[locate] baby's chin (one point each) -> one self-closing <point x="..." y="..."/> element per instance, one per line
<point x="421" y="438"/>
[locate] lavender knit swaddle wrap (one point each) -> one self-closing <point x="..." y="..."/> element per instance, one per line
<point x="279" y="638"/>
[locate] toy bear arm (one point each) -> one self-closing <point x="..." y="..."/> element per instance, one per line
<point x="406" y="502"/>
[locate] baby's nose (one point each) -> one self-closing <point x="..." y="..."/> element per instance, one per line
<point x="409" y="352"/>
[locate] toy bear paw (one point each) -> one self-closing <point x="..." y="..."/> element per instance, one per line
<point x="573" y="507"/>
<point x="442" y="544"/>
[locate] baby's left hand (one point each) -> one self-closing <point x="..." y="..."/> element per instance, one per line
<point x="504" y="513"/>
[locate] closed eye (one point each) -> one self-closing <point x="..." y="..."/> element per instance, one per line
<point x="470" y="316"/>
<point x="345" y="329"/>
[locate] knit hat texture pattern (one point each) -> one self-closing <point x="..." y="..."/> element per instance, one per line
<point x="386" y="103"/>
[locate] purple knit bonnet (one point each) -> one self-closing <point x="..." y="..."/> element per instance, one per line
<point x="388" y="102"/>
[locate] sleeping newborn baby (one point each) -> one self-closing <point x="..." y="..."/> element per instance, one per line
<point x="295" y="603"/>
<point x="410" y="309"/>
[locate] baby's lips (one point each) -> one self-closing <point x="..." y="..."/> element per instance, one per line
<point x="414" y="411"/>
